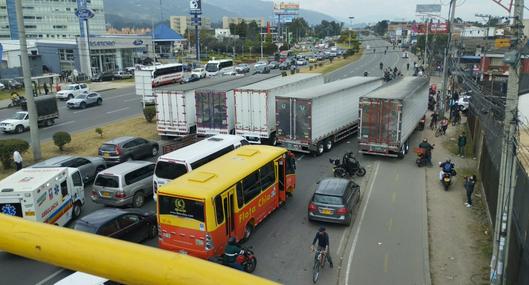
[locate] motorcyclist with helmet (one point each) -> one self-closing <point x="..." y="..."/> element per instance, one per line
<point x="446" y="167"/>
<point x="427" y="147"/>
<point x="231" y="251"/>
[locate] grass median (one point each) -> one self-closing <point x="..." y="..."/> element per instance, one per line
<point x="330" y="67"/>
<point x="86" y="143"/>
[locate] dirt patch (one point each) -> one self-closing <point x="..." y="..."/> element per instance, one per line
<point x="459" y="237"/>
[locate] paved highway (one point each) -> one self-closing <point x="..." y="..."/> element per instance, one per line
<point x="385" y="245"/>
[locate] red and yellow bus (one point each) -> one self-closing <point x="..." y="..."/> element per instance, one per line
<point x="229" y="196"/>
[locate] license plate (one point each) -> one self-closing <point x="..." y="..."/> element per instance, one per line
<point x="326" y="212"/>
<point x="447" y="179"/>
<point x="106" y="154"/>
<point x="105" y="194"/>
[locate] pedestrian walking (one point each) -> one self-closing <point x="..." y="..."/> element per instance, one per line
<point x="46" y="90"/>
<point x="18" y="159"/>
<point x="461" y="143"/>
<point x="470" y="182"/>
<point x="433" y="121"/>
<point x="407" y="66"/>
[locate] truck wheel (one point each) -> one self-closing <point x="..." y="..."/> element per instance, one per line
<point x="19" y="129"/>
<point x="76" y="212"/>
<point x="328" y="145"/>
<point x="320" y="149"/>
<point x="402" y="152"/>
<point x="48" y="123"/>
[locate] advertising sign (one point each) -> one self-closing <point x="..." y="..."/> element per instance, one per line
<point x="435" y="28"/>
<point x="502" y="43"/>
<point x="428" y="8"/>
<point x="286" y="8"/>
<point x="195" y="6"/>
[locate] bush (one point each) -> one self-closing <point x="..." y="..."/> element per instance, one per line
<point x="292" y="71"/>
<point x="61" y="138"/>
<point x="310" y="67"/>
<point x="283" y="73"/>
<point x="99" y="131"/>
<point x="149" y="112"/>
<point x="7" y="147"/>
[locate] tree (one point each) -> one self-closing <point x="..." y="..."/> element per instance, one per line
<point x="326" y="28"/>
<point x="381" y="27"/>
<point x="344" y="38"/>
<point x="299" y="28"/>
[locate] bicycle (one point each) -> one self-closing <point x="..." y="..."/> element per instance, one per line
<point x="440" y="131"/>
<point x="319" y="263"/>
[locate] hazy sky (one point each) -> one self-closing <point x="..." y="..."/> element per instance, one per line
<point x="375" y="10"/>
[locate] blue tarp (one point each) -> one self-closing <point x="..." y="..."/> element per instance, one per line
<point x="162" y="33"/>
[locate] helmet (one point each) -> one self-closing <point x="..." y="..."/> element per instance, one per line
<point x="321" y="229"/>
<point x="448" y="160"/>
<point x="232" y="240"/>
<point x="425" y="140"/>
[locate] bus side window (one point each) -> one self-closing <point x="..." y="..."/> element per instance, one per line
<point x="268" y="175"/>
<point x="218" y="209"/>
<point x="251" y="186"/>
<point x="240" y="198"/>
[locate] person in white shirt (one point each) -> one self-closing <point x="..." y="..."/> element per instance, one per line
<point x="18" y="159"/>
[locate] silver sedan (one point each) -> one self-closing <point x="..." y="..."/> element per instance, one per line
<point x="89" y="166"/>
<point x="83" y="100"/>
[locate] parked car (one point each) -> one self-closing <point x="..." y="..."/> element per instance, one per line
<point x="273" y="65"/>
<point x="200" y="72"/>
<point x="10" y="84"/>
<point x="125" y="184"/>
<point x="127" y="148"/>
<point x="335" y="200"/>
<point x="261" y="69"/>
<point x="84" y="100"/>
<point x="72" y="90"/>
<point x="463" y="103"/>
<point x="285" y="65"/>
<point x="88" y="166"/>
<point x="242" y="68"/>
<point x="103" y="76"/>
<point x="189" y="79"/>
<point x="122" y="75"/>
<point x="313" y="59"/>
<point x="125" y="224"/>
<point x="301" y="62"/>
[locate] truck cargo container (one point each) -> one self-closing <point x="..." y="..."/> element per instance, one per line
<point x="175" y="106"/>
<point x="215" y="105"/>
<point x="389" y="115"/>
<point x="313" y="120"/>
<point x="255" y="108"/>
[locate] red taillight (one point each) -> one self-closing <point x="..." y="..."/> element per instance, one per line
<point x="118" y="150"/>
<point x="120" y="195"/>
<point x="313" y="207"/>
<point x="341" y="211"/>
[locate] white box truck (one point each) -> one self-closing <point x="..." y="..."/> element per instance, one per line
<point x="255" y="108"/>
<point x="47" y="195"/>
<point x="313" y="120"/>
<point x="215" y="105"/>
<point x="143" y="83"/>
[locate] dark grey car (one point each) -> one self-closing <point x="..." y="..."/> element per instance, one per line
<point x="88" y="166"/>
<point x="335" y="200"/>
<point x="127" y="148"/>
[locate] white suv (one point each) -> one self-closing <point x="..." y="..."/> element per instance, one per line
<point x="71" y="91"/>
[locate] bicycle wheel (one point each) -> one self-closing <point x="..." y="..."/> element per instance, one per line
<point x="316" y="270"/>
<point x="438" y="132"/>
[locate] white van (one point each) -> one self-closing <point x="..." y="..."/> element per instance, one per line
<point x="177" y="163"/>
<point x="47" y="195"/>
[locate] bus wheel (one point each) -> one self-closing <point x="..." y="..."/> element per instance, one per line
<point x="248" y="231"/>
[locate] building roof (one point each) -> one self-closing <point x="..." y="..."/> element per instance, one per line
<point x="162" y="33"/>
<point x="332" y="87"/>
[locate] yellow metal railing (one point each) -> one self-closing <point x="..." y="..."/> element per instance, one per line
<point x="120" y="261"/>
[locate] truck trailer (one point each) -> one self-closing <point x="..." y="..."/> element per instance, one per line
<point x="255" y="108"/>
<point x="313" y="120"/>
<point x="175" y="106"/>
<point x="215" y="105"/>
<point x="389" y="115"/>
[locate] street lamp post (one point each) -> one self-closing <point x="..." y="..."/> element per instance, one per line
<point x="350" y="28"/>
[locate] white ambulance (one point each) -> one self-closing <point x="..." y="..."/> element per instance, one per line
<point x="47" y="195"/>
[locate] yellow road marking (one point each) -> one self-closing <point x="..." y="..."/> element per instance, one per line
<point x="386" y="261"/>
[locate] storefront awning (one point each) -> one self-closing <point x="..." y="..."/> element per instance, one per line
<point x="162" y="33"/>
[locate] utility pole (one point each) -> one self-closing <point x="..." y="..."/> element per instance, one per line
<point x="26" y="71"/>
<point x="508" y="171"/>
<point x="426" y="45"/>
<point x="350" y="28"/>
<point x="441" y="110"/>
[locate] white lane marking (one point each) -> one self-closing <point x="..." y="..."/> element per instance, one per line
<point x="355" y="239"/>
<point x="300" y="157"/>
<point x="45" y="280"/>
<point x="80" y="111"/>
<point x="130" y="100"/>
<point x="341" y="243"/>
<point x="117" y="96"/>
<point x="63" y="124"/>
<point x="117" y="110"/>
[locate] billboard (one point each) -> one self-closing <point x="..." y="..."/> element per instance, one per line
<point x="428" y="8"/>
<point x="286" y="8"/>
<point x="435" y="28"/>
<point x="195" y="6"/>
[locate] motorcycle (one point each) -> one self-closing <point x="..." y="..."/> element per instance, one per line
<point x="348" y="166"/>
<point x="246" y="259"/>
<point x="421" y="157"/>
<point x="16" y="101"/>
<point x="447" y="180"/>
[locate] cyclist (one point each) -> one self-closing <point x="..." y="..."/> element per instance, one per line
<point x="323" y="243"/>
<point x="231" y="251"/>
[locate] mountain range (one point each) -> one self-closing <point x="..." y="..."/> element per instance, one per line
<point x="141" y="13"/>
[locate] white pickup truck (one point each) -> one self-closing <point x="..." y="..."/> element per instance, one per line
<point x="72" y="90"/>
<point x="47" y="113"/>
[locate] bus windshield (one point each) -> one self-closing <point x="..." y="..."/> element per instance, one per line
<point x="181" y="207"/>
<point x="212" y="67"/>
